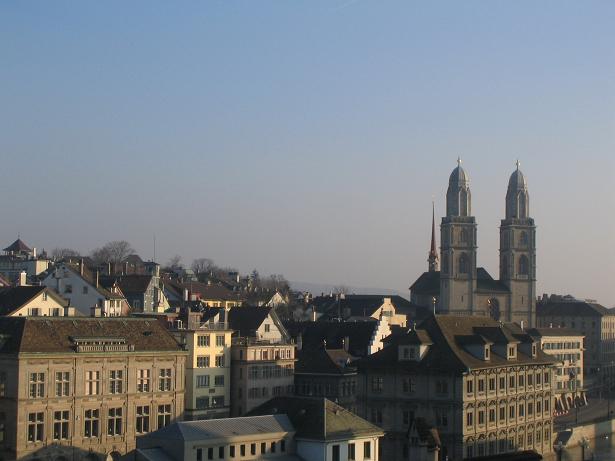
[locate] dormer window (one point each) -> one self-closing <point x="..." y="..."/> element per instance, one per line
<point x="487" y="352"/>
<point x="512" y="352"/>
<point x="533" y="350"/>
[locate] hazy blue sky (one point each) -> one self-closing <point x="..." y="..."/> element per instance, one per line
<point x="307" y="138"/>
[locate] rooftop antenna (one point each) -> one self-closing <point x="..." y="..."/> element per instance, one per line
<point x="154" y="260"/>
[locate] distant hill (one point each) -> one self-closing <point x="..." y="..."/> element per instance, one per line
<point x="317" y="288"/>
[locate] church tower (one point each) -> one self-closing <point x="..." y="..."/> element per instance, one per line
<point x="458" y="248"/>
<point x="518" y="251"/>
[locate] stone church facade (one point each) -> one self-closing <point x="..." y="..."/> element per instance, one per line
<point x="460" y="287"/>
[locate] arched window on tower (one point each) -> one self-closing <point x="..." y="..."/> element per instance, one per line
<point x="522" y="205"/>
<point x="463" y="236"/>
<point x="524" y="265"/>
<point x="463" y="264"/>
<point x="463" y="203"/>
<point x="444" y="263"/>
<point x="504" y="268"/>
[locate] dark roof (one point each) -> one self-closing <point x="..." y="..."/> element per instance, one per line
<point x="427" y="284"/>
<point x="357" y="305"/>
<point x="539" y="332"/>
<point x="12" y="298"/>
<point x="54" y="334"/>
<point x="487" y="284"/>
<point x="317" y="418"/>
<point x="247" y="319"/>
<point x="324" y="361"/>
<point x="447" y="354"/>
<point x="313" y="334"/>
<point x="134" y="284"/>
<point x="575" y="308"/>
<point x="18" y="246"/>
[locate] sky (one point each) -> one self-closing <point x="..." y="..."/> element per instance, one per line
<point x="308" y="138"/>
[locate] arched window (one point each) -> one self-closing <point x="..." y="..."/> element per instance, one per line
<point x="523" y="239"/>
<point x="445" y="263"/>
<point x="463" y="236"/>
<point x="504" y="268"/>
<point x="463" y="264"/>
<point x="524" y="264"/>
<point x="522" y="206"/>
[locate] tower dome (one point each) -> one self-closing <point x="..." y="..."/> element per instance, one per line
<point x="458" y="198"/>
<point x="517" y="197"/>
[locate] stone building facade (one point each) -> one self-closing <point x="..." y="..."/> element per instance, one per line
<point x="461" y="287"/>
<point x="84" y="388"/>
<point x="484" y="389"/>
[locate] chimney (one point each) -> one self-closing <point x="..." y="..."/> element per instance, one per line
<point x="109" y="268"/>
<point x="522" y="326"/>
<point x="313" y="314"/>
<point x="126" y="267"/>
<point x="346" y="343"/>
<point x="96" y="279"/>
<point x="81" y="267"/>
<point x="23" y="279"/>
<point x="34" y="252"/>
<point x="185" y="294"/>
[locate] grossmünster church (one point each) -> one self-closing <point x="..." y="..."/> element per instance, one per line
<point x="455" y="285"/>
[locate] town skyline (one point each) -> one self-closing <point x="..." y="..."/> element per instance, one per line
<point x="310" y="140"/>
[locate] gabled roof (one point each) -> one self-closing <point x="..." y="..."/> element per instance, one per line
<point x="55" y="334"/>
<point x="213" y="429"/>
<point x="575" y="308"/>
<point x="317" y="418"/>
<point x="104" y="283"/>
<point x="356" y="305"/>
<point x="134" y="284"/>
<point x="324" y="361"/>
<point x="427" y="284"/>
<point x="246" y="320"/>
<point x="13" y="298"/>
<point x="314" y="334"/>
<point x="18" y="246"/>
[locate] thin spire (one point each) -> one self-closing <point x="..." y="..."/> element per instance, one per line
<point x="433" y="252"/>
<point x="458" y="161"/>
<point x="518" y="164"/>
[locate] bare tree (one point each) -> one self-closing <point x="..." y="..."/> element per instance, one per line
<point x="201" y="265"/>
<point x="112" y="252"/>
<point x="61" y="253"/>
<point x="341" y="290"/>
<point x="175" y="262"/>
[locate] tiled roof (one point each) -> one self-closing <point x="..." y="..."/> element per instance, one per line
<point x="427" y="284"/>
<point x="576" y="308"/>
<point x="53" y="334"/>
<point x="134" y="284"/>
<point x="313" y="334"/>
<point x="18" y="245"/>
<point x="321" y="360"/>
<point x="213" y="429"/>
<point x="447" y="354"/>
<point x="317" y="418"/>
<point x="13" y="298"/>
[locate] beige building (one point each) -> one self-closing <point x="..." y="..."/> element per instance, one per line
<point x="565" y="346"/>
<point x="22" y="301"/>
<point x="596" y="323"/>
<point x="485" y="389"/>
<point x="84" y="388"/>
<point x="207" y="338"/>
<point x="20" y="262"/>
<point x="263" y="358"/>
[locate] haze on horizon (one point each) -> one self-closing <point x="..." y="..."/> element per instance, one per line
<point x="308" y="139"/>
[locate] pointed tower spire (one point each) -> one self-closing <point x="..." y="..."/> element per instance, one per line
<point x="433" y="252"/>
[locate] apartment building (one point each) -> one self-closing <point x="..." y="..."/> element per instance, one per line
<point x="262" y="358"/>
<point x="206" y="336"/>
<point x="84" y="388"/>
<point x="483" y="388"/>
<point x="20" y="301"/>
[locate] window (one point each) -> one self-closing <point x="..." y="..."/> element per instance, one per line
<point x="62" y="383"/>
<point x="164" y="415"/>
<point x="502" y="413"/>
<point x="524" y="265"/>
<point x="220" y="340"/>
<point x="521" y="410"/>
<point x="376" y="415"/>
<point x="263" y="448"/>
<point x="283" y="445"/>
<point x="202" y="361"/>
<point x="210" y="453"/>
<point x="116" y="381"/>
<point x="335" y="452"/>
<point x="253" y="448"/>
<point x="68" y="288"/>
<point x="37" y="385"/>
<point x="202" y="340"/>
<point x="267" y="328"/>
<point x="219" y="381"/>
<point x="143" y="380"/>
<point x="377" y="383"/>
<point x="202" y="403"/>
<point x="202" y="381"/>
<point x="114" y="421"/>
<point x="521" y="381"/>
<point x="481" y="417"/>
<point x="407" y="385"/>
<point x="511" y="411"/>
<point x="481" y="385"/>
<point x="231" y="451"/>
<point x="142" y="421"/>
<point x="60" y="424"/>
<point x="530" y="408"/>
<point x="91" y="423"/>
<point x="469" y="418"/>
<point x="217" y="401"/>
<point x="492" y="415"/>
<point x="242" y="450"/>
<point x="221" y="452"/>
<point x="36" y="427"/>
<point x="219" y="361"/>
<point x="367" y="450"/>
<point x="470" y="386"/>
<point x="502" y="384"/>
<point x="407" y="417"/>
<point x="92" y="382"/>
<point x="273" y="446"/>
<point x="441" y="387"/>
<point x="463" y="264"/>
<point x="164" y="379"/>
<point x="491" y="384"/>
<point x="511" y="382"/>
